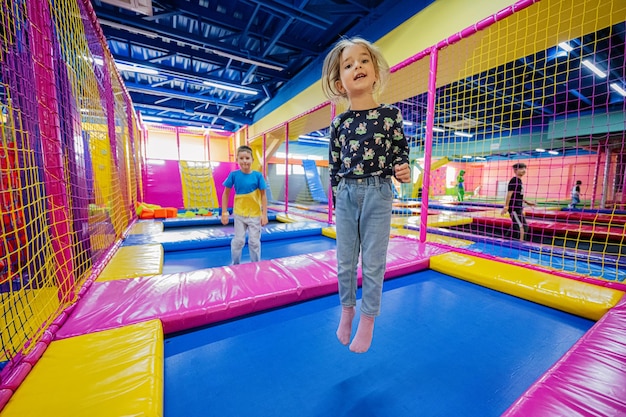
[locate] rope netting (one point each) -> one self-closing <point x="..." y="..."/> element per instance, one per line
<point x="541" y="89"/>
<point x="541" y="84"/>
<point x="67" y="164"/>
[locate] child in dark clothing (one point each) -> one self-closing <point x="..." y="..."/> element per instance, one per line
<point x="514" y="204"/>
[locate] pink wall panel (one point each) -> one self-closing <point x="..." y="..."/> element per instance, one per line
<point x="546" y="178"/>
<point x="220" y="172"/>
<point x="163" y="183"/>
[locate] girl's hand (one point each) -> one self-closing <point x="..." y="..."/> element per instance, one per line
<point x="402" y="172"/>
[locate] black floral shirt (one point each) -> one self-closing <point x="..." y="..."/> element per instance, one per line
<point x="366" y="143"/>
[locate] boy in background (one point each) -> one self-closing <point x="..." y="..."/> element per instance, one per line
<point x="249" y="207"/>
<point x="514" y="203"/>
<point x="575" y="195"/>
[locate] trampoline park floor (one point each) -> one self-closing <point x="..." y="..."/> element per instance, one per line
<point x="442" y="347"/>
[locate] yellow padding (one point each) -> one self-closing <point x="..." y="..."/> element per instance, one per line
<point x="575" y="297"/>
<point x="434" y="238"/>
<point x="330" y="232"/>
<point x="116" y="372"/>
<point x="134" y="261"/>
<point x="146" y="227"/>
<point x="433" y="220"/>
<point x="286" y="218"/>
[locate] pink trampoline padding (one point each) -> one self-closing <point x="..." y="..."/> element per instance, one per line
<point x="589" y="380"/>
<point x="191" y="299"/>
<point x="576" y="216"/>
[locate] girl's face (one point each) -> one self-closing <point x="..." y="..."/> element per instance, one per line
<point x="356" y="71"/>
<point x="244" y="159"/>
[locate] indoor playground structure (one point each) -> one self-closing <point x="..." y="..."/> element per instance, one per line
<point x="117" y="293"/>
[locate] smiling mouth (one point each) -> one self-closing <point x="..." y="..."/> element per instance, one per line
<point x="359" y="76"/>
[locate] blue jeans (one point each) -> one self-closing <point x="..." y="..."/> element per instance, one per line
<point x="363" y="223"/>
<point x="253" y="225"/>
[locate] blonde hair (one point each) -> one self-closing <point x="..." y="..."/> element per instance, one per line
<point x="332" y="64"/>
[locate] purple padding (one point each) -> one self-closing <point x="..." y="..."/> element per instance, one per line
<point x="589" y="380"/>
<point x="190" y="299"/>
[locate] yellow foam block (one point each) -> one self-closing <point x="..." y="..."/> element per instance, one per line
<point x="116" y="372"/>
<point x="286" y="218"/>
<point x="433" y="220"/>
<point x="447" y="220"/>
<point x="134" y="261"/>
<point x="146" y="227"/>
<point x="432" y="237"/>
<point x="575" y="297"/>
<point x="330" y="232"/>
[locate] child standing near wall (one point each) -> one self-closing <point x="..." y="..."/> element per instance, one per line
<point x="249" y="207"/>
<point x="575" y="195"/>
<point x="367" y="147"/>
<point x="460" y="185"/>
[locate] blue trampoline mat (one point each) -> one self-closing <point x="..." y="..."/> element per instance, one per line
<point x="442" y="347"/>
<point x="193" y="259"/>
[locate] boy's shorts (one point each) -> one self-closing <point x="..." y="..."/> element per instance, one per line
<point x="519" y="222"/>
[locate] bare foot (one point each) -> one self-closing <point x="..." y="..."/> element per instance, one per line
<point x="364" y="333"/>
<point x="344" y="331"/>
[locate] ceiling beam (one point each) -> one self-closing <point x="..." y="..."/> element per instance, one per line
<point x="131" y="23"/>
<point x="170" y="93"/>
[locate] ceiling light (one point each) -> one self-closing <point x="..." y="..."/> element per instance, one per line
<point x="135" y="68"/>
<point x="480" y="158"/>
<point x="131" y="29"/>
<point x="231" y="88"/>
<point x="553" y="152"/>
<point x="566" y="47"/>
<point x="593" y="68"/>
<point x="438" y="129"/>
<point x="618" y="88"/>
<point x="318" y="138"/>
<point x="540" y="150"/>
<point x="407" y="123"/>
<point x="466" y="157"/>
<point x="463" y="134"/>
<point x="151" y="119"/>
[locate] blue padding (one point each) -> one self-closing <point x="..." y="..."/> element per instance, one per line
<point x="290" y="230"/>
<point x="201" y="221"/>
<point x="210" y="237"/>
<point x="407" y="211"/>
<point x="196" y="244"/>
<point x="448" y="207"/>
<point x="595" y="211"/>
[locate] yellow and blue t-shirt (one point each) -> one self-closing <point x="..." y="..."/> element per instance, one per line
<point x="247" y="192"/>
